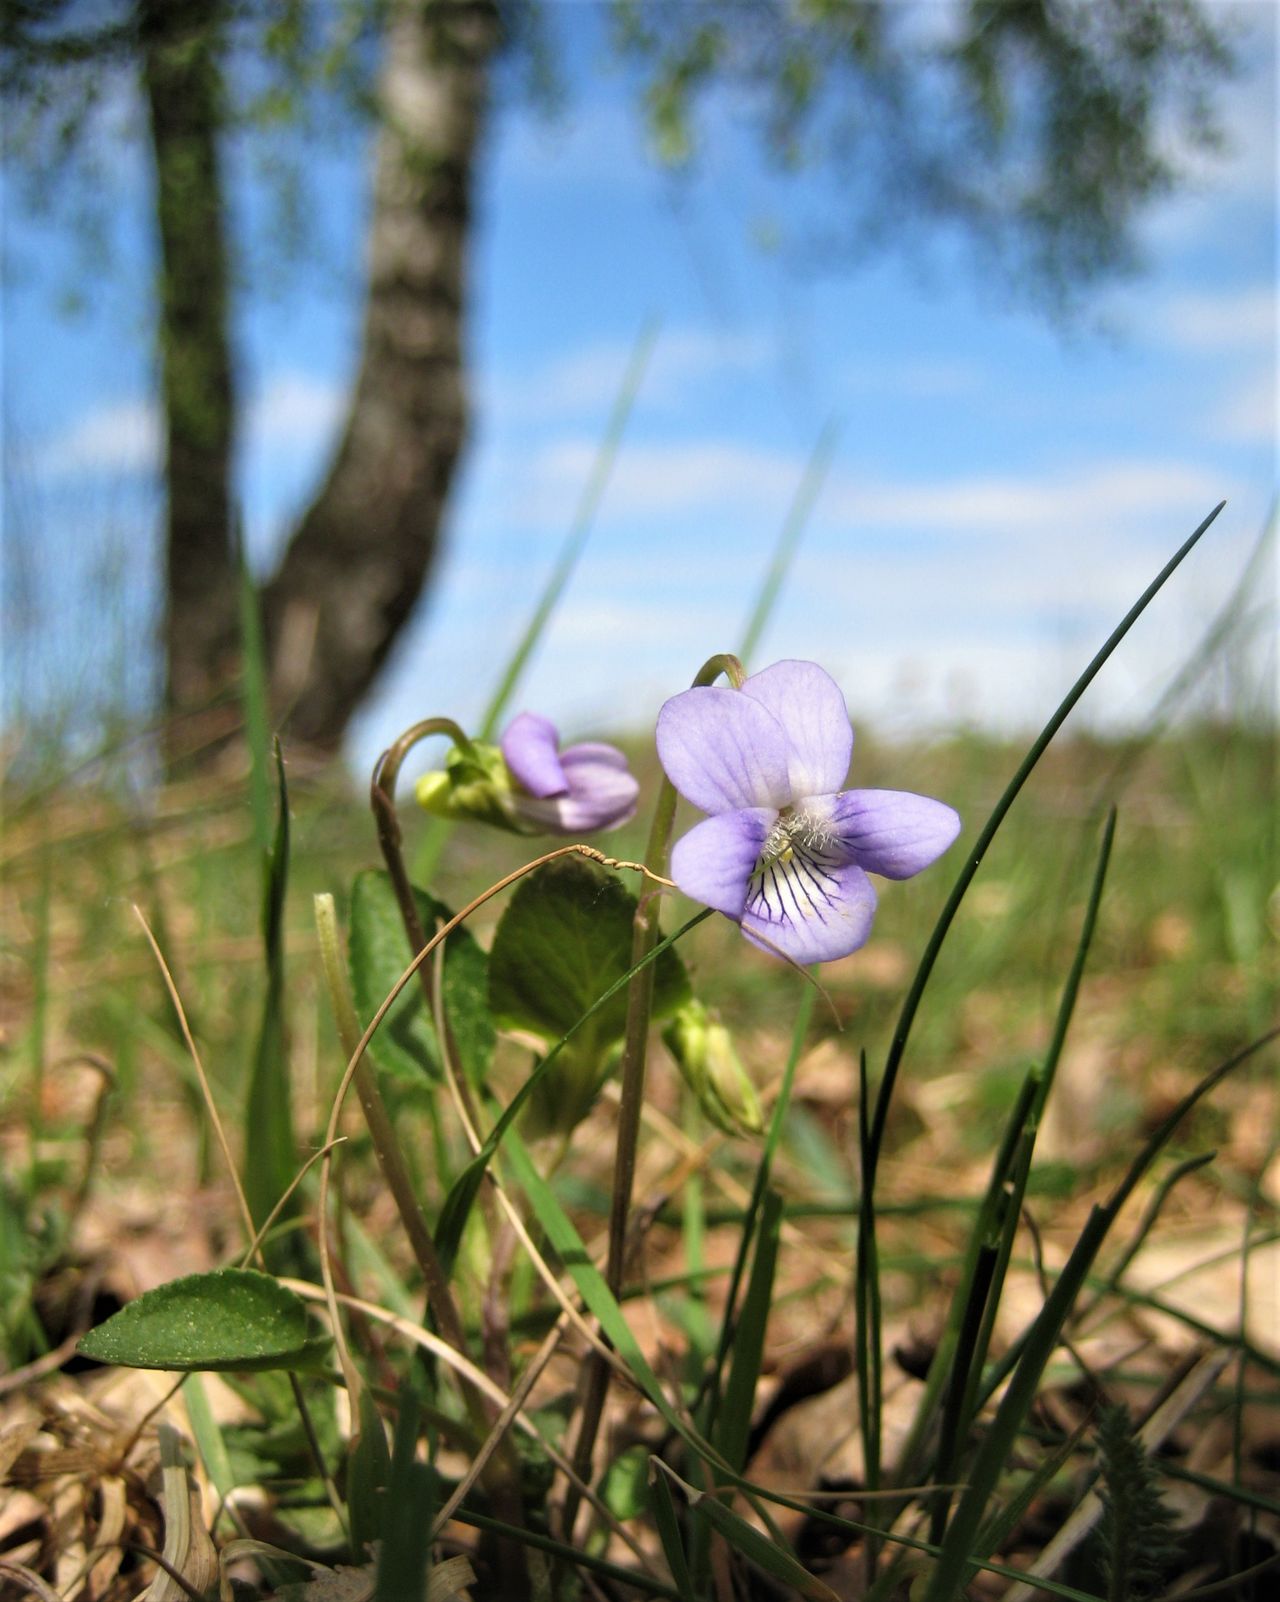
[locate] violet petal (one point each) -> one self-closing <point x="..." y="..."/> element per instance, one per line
<point x="809" y="907"/>
<point x="808" y="704"/>
<point x="891" y="832"/>
<point x="714" y="861"/>
<point x="601" y="793"/>
<point x="723" y="751"/>
<point x="530" y="747"/>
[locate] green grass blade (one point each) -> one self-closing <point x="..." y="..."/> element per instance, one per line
<point x="600" y="1301"/>
<point x="764" y="1168"/>
<point x="207" y="1435"/>
<point x="788" y="541"/>
<point x="1151" y="1213"/>
<point x="410" y="1506"/>
<point x="958" y="1554"/>
<point x="270" y="1150"/>
<point x="1071" y="990"/>
<point x="457" y="1204"/>
<point x="951" y="1436"/>
<point x="910" y="1006"/>
<point x="975" y="1339"/>
<point x="663" y="1507"/>
<point x="748" y="1346"/>
<point x="584" y="517"/>
<point x="368" y="1477"/>
<point x="983" y="1231"/>
<point x="433" y="840"/>
<point x="745" y="1538"/>
<point x="573" y="1556"/>
<point x="1000" y="1370"/>
<point x="868" y="1342"/>
<point x="975" y="1360"/>
<point x="254" y="702"/>
<point x="1160" y="1135"/>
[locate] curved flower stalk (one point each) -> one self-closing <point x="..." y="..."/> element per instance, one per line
<point x="528" y="785"/>
<point x="786" y="852"/>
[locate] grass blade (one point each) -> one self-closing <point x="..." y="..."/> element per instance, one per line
<point x="984" y="1230"/>
<point x="957" y="1555"/>
<point x="750" y="1220"/>
<point x="748" y="1345"/>
<point x="814" y="477"/>
<point x="254" y="703"/>
<point x="580" y="529"/>
<point x="868" y="1345"/>
<point x="910" y="1005"/>
<point x="752" y="1543"/>
<point x="270" y="1150"/>
<point x="432" y="844"/>
<point x="457" y="1204"/>
<point x="664" y="1517"/>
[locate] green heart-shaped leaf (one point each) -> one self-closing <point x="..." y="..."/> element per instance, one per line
<point x="563" y="940"/>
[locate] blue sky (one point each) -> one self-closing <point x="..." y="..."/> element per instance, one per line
<point x="999" y="493"/>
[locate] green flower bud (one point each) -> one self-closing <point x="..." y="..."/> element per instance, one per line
<point x="705" y="1055"/>
<point x="476" y="786"/>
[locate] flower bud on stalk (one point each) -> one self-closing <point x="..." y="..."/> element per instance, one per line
<point x="705" y="1055"/>
<point x="527" y="785"/>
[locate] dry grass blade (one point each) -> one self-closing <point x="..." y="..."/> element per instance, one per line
<point x="29" y="1580"/>
<point x="188" y="1551"/>
<point x="206" y="1091"/>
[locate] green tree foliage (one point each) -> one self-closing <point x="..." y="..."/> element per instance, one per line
<point x="1035" y="131"/>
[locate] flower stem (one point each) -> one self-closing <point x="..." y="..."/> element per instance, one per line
<point x="502" y="1475"/>
<point x="646" y="933"/>
<point x="382" y="799"/>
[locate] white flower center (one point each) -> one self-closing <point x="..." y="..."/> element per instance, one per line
<point x="794" y="878"/>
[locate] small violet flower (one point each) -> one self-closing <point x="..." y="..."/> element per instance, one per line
<point x="575" y="791"/>
<point x="786" y="851"/>
<point x="529" y="786"/>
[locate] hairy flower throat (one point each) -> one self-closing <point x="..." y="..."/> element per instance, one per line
<point x="794" y="876"/>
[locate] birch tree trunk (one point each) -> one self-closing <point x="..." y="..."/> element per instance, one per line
<point x="364" y="549"/>
<point x="179" y="49"/>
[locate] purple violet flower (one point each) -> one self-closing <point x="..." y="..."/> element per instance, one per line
<point x="786" y="852"/>
<point x="575" y="791"/>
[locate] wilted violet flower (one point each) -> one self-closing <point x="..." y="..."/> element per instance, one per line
<point x="529" y="786"/>
<point x="786" y="852"/>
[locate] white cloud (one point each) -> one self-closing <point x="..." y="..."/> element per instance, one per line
<point x="663" y="480"/>
<point x="115" y="441"/>
<point x="1241" y="174"/>
<point x="293" y="410"/>
<point x="125" y="438"/>
<point x="588" y="381"/>
<point x="697" y="478"/>
<point x="1248" y="414"/>
<point x="1214" y="321"/>
<point x="1058" y="503"/>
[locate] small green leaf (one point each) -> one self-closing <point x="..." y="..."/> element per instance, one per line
<point x="233" y="1318"/>
<point x="563" y="940"/>
<point x="405" y="1044"/>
